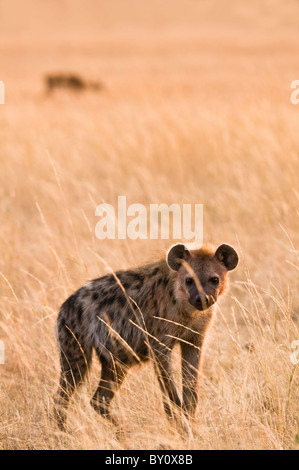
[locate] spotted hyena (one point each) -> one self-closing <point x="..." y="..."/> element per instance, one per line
<point x="69" y="82"/>
<point x="131" y="316"/>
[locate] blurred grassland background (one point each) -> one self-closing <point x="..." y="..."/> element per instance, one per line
<point x="195" y="109"/>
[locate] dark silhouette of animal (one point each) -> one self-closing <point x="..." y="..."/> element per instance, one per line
<point x="69" y="82"/>
<point x="140" y="314"/>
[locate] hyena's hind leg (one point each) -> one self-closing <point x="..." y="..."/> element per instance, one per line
<point x="75" y="358"/>
<point x="112" y="376"/>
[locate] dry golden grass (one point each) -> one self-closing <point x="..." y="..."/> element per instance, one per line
<point x="196" y="110"/>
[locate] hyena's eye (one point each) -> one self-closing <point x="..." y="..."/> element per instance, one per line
<point x="189" y="281"/>
<point x="215" y="280"/>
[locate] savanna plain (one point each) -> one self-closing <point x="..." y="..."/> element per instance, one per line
<point x="195" y="108"/>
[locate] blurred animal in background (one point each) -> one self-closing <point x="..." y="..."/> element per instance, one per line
<point x="71" y="82"/>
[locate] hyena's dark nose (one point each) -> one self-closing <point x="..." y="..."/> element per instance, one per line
<point x="202" y="300"/>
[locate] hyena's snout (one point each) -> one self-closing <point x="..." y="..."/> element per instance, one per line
<point x="202" y="301"/>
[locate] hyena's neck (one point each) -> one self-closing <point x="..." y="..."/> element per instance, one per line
<point x="158" y="285"/>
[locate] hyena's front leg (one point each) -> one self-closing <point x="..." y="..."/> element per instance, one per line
<point x="162" y="361"/>
<point x="112" y="376"/>
<point x="190" y="376"/>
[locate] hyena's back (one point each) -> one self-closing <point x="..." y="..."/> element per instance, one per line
<point x="111" y="315"/>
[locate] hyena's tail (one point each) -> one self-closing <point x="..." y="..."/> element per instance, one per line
<point x="75" y="355"/>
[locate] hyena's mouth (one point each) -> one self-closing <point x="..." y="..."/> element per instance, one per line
<point x="202" y="302"/>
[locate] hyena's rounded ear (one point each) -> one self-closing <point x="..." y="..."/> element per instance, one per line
<point x="228" y="256"/>
<point x="176" y="255"/>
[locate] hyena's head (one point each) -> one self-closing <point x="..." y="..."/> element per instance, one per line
<point x="202" y="275"/>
